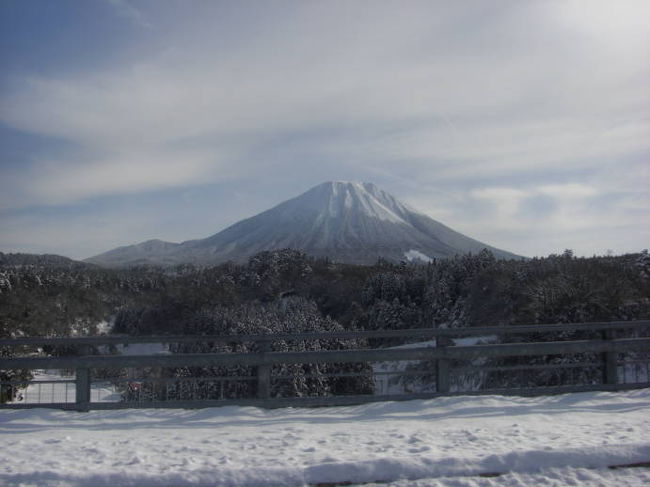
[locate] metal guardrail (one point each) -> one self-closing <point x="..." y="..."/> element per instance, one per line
<point x="442" y="360"/>
<point x="412" y="333"/>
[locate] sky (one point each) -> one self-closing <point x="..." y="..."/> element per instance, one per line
<point x="523" y="124"/>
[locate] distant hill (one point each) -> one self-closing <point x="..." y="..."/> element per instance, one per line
<point x="40" y="260"/>
<point x="151" y="252"/>
<point x="345" y="221"/>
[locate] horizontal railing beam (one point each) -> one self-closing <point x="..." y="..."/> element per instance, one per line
<point x="329" y="356"/>
<point x="349" y="335"/>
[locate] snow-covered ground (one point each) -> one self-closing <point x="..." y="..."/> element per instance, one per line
<point x="50" y="386"/>
<point x="559" y="440"/>
<point x="390" y="378"/>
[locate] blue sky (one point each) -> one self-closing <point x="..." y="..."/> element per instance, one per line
<point x="523" y="124"/>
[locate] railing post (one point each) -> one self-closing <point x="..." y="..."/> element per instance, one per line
<point x="264" y="372"/>
<point x="82" y="379"/>
<point x="442" y="367"/>
<point x="610" y="365"/>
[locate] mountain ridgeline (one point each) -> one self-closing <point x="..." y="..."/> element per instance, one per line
<point x="347" y="222"/>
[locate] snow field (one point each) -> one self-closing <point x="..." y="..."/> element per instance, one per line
<point x="49" y="386"/>
<point x="558" y="440"/>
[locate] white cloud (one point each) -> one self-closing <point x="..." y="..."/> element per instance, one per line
<point x="55" y="181"/>
<point x="568" y="191"/>
<point x="539" y="219"/>
<point x="62" y="182"/>
<point x="435" y="96"/>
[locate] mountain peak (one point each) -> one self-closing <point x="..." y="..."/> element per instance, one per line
<point x="338" y="199"/>
<point x="338" y="187"/>
<point x="342" y="184"/>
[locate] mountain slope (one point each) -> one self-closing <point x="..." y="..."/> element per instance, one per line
<point x="346" y="221"/>
<point x="154" y="251"/>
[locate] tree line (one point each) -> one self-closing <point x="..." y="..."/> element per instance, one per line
<point x="288" y="291"/>
<point x="42" y="296"/>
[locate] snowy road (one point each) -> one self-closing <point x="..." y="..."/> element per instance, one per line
<point x="560" y="440"/>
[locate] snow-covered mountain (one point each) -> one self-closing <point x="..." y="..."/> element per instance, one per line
<point x="345" y="221"/>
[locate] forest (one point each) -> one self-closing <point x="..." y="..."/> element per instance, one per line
<point x="55" y="296"/>
<point x="286" y="290"/>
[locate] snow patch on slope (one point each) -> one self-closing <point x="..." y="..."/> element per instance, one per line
<point x="412" y="255"/>
<point x="346" y="197"/>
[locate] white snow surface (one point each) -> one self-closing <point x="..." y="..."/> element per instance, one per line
<point x="51" y="386"/>
<point x="389" y="378"/>
<point x="558" y="440"/>
<point x="417" y="255"/>
<point x="350" y="196"/>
